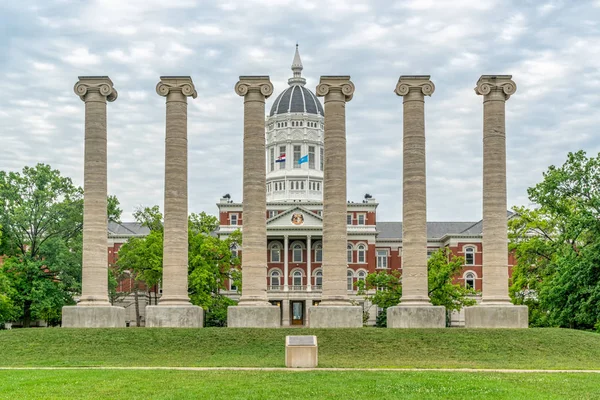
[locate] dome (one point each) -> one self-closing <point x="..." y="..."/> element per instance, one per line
<point x="296" y="98"/>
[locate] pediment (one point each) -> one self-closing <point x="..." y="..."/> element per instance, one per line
<point x="295" y="217"/>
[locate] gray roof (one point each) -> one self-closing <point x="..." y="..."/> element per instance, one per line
<point x="296" y="99"/>
<point x="435" y="230"/>
<point x="127" y="229"/>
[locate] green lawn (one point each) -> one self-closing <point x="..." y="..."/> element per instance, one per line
<point x="214" y="385"/>
<point x="349" y="348"/>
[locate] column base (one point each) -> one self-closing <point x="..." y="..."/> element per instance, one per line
<point x="335" y="316"/>
<point x="253" y="317"/>
<point x="183" y="316"/>
<point x="497" y="316"/>
<point x="93" y="317"/>
<point x="416" y="316"/>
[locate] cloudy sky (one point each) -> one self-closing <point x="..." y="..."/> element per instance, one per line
<point x="552" y="49"/>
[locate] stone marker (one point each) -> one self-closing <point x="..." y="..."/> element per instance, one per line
<point x="174" y="309"/>
<point x="301" y="352"/>
<point x="253" y="309"/>
<point x="415" y="309"/>
<point x="496" y="309"/>
<point x="335" y="309"/>
<point x="94" y="310"/>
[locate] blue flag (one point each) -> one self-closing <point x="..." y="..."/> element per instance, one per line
<point x="303" y="159"/>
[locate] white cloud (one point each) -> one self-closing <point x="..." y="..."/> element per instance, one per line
<point x="81" y="57"/>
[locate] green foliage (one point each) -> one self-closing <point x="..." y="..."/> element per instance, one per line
<point x="41" y="213"/>
<point x="210" y="266"/>
<point x="557" y="246"/>
<point x="442" y="268"/>
<point x="8" y="311"/>
<point x="210" y="260"/>
<point x="384" y="289"/>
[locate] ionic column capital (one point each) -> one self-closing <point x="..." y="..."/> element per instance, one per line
<point x="502" y="85"/>
<point x="254" y="85"/>
<point x="419" y="84"/>
<point x="99" y="85"/>
<point x="335" y="88"/>
<point x="176" y="84"/>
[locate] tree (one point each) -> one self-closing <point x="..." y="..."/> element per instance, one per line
<point x="211" y="262"/>
<point x="557" y="246"/>
<point x="41" y="213"/>
<point x="385" y="289"/>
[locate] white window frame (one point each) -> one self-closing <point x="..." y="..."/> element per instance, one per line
<point x="349" y="279"/>
<point x="318" y="275"/>
<point x="349" y="219"/>
<point x="297" y="155"/>
<point x="318" y="251"/>
<point x="364" y="218"/>
<point x="470" y="275"/>
<point x="275" y="246"/>
<point x="272" y="213"/>
<point x="361" y="248"/>
<point x="321" y="158"/>
<point x="297" y="246"/>
<point x="349" y="253"/>
<point x="296" y="274"/>
<point x="361" y="275"/>
<point x="470" y="250"/>
<point x="232" y="217"/>
<point x="272" y="161"/>
<point x="382" y="258"/>
<point x="282" y="164"/>
<point x="275" y="274"/>
<point x="311" y="157"/>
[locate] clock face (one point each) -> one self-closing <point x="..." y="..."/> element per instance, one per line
<point x="297" y="219"/>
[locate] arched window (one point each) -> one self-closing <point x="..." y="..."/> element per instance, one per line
<point x="362" y="253"/>
<point x="275" y="279"/>
<point x="318" y="252"/>
<point x="297" y="252"/>
<point x="470" y="280"/>
<point x="469" y="256"/>
<point x="349" y="249"/>
<point x="361" y="276"/>
<point x="275" y="252"/>
<point x="319" y="279"/>
<point x="350" y="279"/>
<point x="297" y="280"/>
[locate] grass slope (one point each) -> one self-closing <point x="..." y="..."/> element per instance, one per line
<point x="351" y="348"/>
<point x="216" y="385"/>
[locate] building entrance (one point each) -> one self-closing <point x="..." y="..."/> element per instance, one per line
<point x="297" y="313"/>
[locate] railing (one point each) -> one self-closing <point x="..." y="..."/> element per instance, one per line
<point x="294" y="288"/>
<point x="275" y="288"/>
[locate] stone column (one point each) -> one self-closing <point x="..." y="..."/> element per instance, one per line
<point x="335" y="309"/>
<point x="285" y="312"/>
<point x="254" y="310"/>
<point x="286" y="262"/>
<point x="94" y="309"/>
<point x="174" y="308"/>
<point x="308" y="263"/>
<point x="415" y="309"/>
<point x="496" y="310"/>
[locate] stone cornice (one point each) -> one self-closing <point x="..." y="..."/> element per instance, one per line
<point x="332" y="84"/>
<point x="253" y="84"/>
<point x="408" y="83"/>
<point x="95" y="84"/>
<point x="496" y="83"/>
<point x="181" y="84"/>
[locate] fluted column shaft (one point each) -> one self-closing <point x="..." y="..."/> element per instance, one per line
<point x="175" y="247"/>
<point x="414" y="205"/>
<point x="255" y="90"/>
<point x="337" y="91"/>
<point x="95" y="91"/>
<point x="495" y="91"/>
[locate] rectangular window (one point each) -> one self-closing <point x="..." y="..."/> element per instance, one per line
<point x="321" y="158"/>
<point x="272" y="213"/>
<point x="272" y="160"/>
<point x="319" y="254"/>
<point x="297" y="155"/>
<point x="361" y="219"/>
<point x="282" y="153"/>
<point x="311" y="157"/>
<point x="233" y="219"/>
<point x="382" y="259"/>
<point x="348" y="219"/>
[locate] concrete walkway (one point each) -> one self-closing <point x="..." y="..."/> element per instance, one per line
<point x="274" y="369"/>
